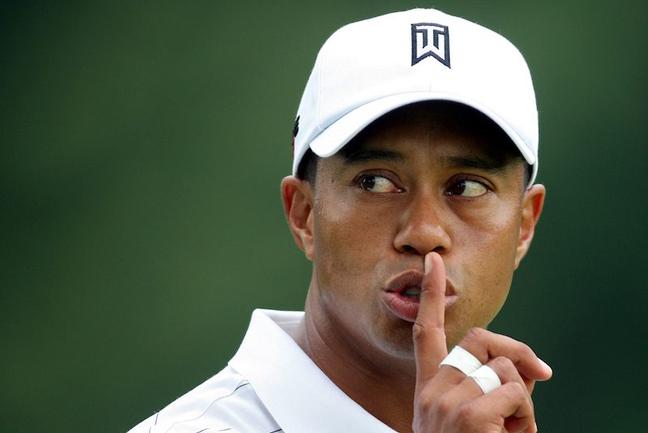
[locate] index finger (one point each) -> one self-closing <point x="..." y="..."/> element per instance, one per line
<point x="429" y="328"/>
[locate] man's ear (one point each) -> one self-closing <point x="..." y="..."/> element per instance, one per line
<point x="297" y="197"/>
<point x="532" y="204"/>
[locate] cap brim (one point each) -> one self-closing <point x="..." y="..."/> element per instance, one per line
<point x="339" y="133"/>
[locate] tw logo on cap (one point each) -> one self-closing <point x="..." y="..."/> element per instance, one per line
<point x="430" y="40"/>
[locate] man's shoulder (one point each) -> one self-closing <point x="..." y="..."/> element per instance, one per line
<point x="224" y="403"/>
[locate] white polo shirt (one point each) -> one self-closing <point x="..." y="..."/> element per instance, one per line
<point x="269" y="386"/>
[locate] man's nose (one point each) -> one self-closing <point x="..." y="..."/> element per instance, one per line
<point x="422" y="227"/>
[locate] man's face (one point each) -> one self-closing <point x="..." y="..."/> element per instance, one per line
<point x="413" y="186"/>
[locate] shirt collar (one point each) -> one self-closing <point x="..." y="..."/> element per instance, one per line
<point x="300" y="397"/>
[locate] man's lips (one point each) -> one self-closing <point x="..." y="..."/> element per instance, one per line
<point x="399" y="283"/>
<point x="400" y="296"/>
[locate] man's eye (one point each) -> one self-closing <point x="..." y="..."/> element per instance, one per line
<point x="467" y="188"/>
<point x="380" y="184"/>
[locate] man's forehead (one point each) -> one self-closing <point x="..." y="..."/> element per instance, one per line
<point x="459" y="134"/>
<point x="447" y="156"/>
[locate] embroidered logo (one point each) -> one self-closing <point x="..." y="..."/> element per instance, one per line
<point x="430" y="40"/>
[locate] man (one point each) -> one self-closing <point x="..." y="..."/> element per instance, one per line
<point x="415" y="152"/>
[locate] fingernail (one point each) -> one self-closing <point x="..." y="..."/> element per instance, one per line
<point x="545" y="366"/>
<point x="427" y="263"/>
<point x="535" y="425"/>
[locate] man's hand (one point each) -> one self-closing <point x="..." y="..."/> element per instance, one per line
<point x="446" y="400"/>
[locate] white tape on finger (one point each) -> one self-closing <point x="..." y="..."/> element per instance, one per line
<point x="462" y="360"/>
<point x="486" y="378"/>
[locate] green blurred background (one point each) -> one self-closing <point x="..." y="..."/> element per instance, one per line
<point x="141" y="149"/>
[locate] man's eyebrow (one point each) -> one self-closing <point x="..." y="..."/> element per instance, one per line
<point x="478" y="162"/>
<point x="363" y="155"/>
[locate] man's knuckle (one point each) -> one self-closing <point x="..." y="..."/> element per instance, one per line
<point x="502" y="364"/>
<point x="425" y="404"/>
<point x="461" y="422"/>
<point x="421" y="332"/>
<point x="418" y="331"/>
<point x="466" y="413"/>
<point x="475" y="335"/>
<point x="525" y="351"/>
<point x="515" y="390"/>
<point x="444" y="406"/>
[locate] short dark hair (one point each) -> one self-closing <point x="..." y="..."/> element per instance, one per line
<point x="307" y="169"/>
<point x="462" y="116"/>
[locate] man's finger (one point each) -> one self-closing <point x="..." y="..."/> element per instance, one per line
<point x="428" y="330"/>
<point x="508" y="402"/>
<point x="469" y="390"/>
<point x="486" y="345"/>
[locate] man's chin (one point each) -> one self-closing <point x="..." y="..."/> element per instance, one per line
<point x="399" y="343"/>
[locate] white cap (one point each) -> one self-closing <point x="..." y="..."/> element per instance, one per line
<point x="371" y="67"/>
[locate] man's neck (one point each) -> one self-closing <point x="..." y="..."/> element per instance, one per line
<point x="385" y="390"/>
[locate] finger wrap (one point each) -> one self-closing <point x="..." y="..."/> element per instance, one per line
<point x="486" y="378"/>
<point x="462" y="360"/>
